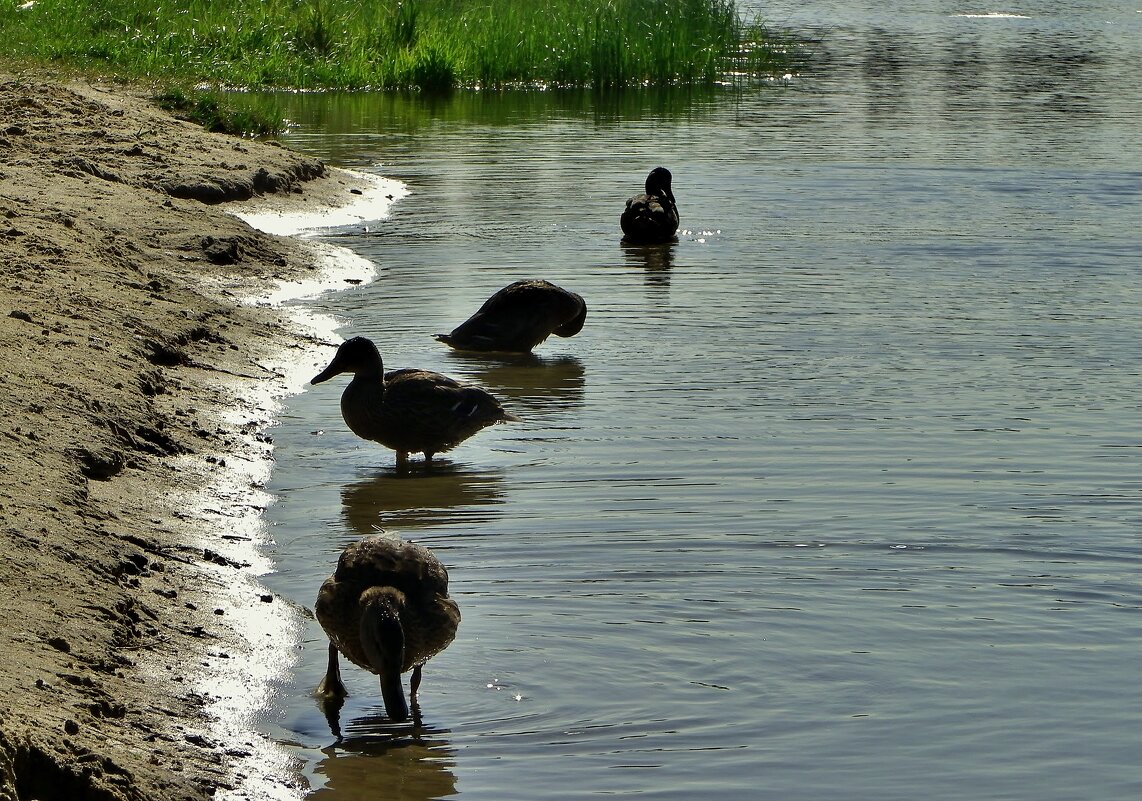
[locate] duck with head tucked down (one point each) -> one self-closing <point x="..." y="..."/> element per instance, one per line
<point x="410" y="411"/>
<point x="652" y="217"/>
<point x="386" y="608"/>
<point x="519" y="317"/>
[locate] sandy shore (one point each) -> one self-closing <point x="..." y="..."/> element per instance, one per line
<point x="134" y="379"/>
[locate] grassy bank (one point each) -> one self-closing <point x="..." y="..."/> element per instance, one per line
<point x="391" y="44"/>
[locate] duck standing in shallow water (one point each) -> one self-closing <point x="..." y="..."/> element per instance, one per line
<point x="519" y="317"/>
<point x="651" y="217"/>
<point x="386" y="608"/>
<point x="410" y="411"/>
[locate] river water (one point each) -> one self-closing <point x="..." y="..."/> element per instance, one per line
<point x="839" y="497"/>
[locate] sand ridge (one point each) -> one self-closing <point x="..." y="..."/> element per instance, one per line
<point x="123" y="337"/>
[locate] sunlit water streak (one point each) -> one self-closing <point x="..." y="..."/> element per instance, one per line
<point x="838" y="497"/>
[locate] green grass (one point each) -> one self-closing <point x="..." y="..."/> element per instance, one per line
<point x="222" y="112"/>
<point x="431" y="45"/>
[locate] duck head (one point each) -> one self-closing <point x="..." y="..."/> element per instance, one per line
<point x="382" y="640"/>
<point x="658" y="183"/>
<point x="574" y="325"/>
<point x="357" y="355"/>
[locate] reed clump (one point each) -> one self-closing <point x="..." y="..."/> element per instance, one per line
<point x="223" y="112"/>
<point x="398" y="44"/>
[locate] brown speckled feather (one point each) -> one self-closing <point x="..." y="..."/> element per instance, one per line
<point x="428" y="616"/>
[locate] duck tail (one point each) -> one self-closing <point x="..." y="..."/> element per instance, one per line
<point x="479" y="405"/>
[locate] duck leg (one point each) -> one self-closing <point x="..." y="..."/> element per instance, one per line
<point x="402" y="461"/>
<point x="331" y="687"/>
<point x="331" y="693"/>
<point x="414" y="686"/>
<point x="414" y="683"/>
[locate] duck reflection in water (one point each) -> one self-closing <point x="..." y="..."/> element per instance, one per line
<point x="449" y="494"/>
<point x="386" y="608"/>
<point x="655" y="260"/>
<point x="537" y="385"/>
<point x="411" y="764"/>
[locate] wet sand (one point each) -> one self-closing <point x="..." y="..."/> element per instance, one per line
<point x="133" y="405"/>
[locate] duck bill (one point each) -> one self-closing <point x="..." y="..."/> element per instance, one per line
<point x="393" y="694"/>
<point x="333" y="369"/>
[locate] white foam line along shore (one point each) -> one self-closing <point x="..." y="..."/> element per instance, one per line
<point x="230" y="508"/>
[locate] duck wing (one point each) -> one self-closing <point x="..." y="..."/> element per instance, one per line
<point x="426" y="412"/>
<point x="385" y="562"/>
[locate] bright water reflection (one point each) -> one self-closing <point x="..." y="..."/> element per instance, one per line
<point x="368" y="765"/>
<point x="837" y="497"/>
<point x="390" y="500"/>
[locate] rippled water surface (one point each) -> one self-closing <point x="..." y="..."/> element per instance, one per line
<point x="837" y="497"/>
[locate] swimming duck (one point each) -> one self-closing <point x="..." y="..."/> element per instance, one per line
<point x="519" y="317"/>
<point x="386" y="608"/>
<point x="410" y="411"/>
<point x="652" y="216"/>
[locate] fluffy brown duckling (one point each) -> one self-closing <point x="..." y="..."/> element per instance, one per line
<point x="386" y="608"/>
<point x="519" y="317"/>
<point x="410" y="411"/>
<point x="651" y="217"/>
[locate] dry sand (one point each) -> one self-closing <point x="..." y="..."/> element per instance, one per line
<point x="125" y="351"/>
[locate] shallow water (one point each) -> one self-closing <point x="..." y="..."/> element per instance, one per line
<point x="837" y="497"/>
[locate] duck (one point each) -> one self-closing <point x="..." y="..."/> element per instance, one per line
<point x="651" y="217"/>
<point x="386" y="609"/>
<point x="409" y="410"/>
<point x="518" y="317"/>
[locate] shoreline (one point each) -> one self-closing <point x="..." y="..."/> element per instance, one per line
<point x="146" y="353"/>
<point x="242" y="700"/>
